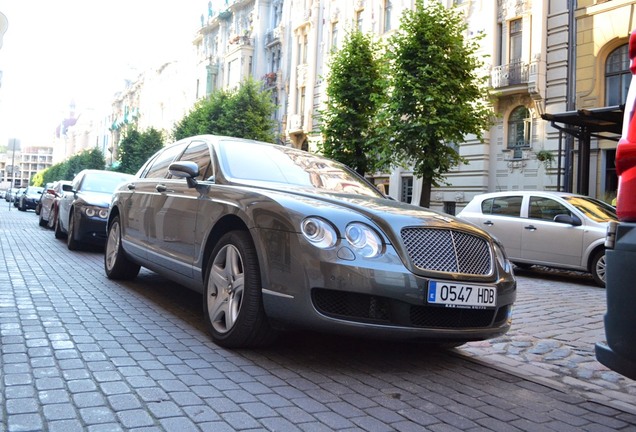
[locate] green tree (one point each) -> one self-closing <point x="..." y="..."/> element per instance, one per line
<point x="87" y="159"/>
<point x="436" y="93"/>
<point x="354" y="91"/>
<point x="136" y="147"/>
<point x="245" y="113"/>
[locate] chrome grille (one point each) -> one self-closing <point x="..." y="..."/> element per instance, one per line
<point x="445" y="250"/>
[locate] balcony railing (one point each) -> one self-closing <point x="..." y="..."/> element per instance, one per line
<point x="512" y="74"/>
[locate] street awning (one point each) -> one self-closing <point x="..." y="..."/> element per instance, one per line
<point x="583" y="124"/>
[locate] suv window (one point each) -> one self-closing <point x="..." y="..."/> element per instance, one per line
<point x="503" y="206"/>
<point x="159" y="167"/>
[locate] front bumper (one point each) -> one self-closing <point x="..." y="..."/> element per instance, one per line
<point x="90" y="229"/>
<point x="320" y="290"/>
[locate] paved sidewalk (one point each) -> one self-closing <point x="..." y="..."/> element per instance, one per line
<point x="79" y="352"/>
<point x="558" y="317"/>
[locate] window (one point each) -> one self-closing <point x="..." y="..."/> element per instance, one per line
<point x="359" y="19"/>
<point x="546" y="208"/>
<point x="406" y="189"/>
<point x="305" y="47"/>
<point x="199" y="153"/>
<point x="159" y="167"/>
<point x="514" y="54"/>
<point x="334" y="35"/>
<point x="519" y="130"/>
<point x="301" y="105"/>
<point x="387" y="15"/>
<point x="503" y="206"/>
<point x="617" y="76"/>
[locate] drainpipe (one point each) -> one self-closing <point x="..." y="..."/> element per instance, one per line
<point x="570" y="94"/>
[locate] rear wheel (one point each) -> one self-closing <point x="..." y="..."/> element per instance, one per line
<point x="233" y="302"/>
<point x="116" y="263"/>
<point x="598" y="268"/>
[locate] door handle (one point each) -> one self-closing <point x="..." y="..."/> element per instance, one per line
<point x="530" y="228"/>
<point x="161" y="188"/>
<point x="489" y="223"/>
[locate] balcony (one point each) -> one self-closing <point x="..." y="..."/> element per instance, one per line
<point x="270" y="79"/>
<point x="273" y="36"/>
<point x="514" y="75"/>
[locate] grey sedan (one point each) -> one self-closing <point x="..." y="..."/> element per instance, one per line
<point x="277" y="238"/>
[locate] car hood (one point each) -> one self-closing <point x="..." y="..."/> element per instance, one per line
<point x="389" y="215"/>
<point x="100" y="199"/>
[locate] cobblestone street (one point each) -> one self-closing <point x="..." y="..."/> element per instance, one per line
<point x="80" y="352"/>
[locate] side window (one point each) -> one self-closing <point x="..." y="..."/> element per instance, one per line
<point x="546" y="208"/>
<point x="199" y="153"/>
<point x="504" y="206"/>
<point x="159" y="167"/>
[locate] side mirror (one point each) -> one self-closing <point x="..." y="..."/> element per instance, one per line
<point x="567" y="219"/>
<point x="185" y="169"/>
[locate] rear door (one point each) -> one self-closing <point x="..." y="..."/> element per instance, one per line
<point x="501" y="217"/>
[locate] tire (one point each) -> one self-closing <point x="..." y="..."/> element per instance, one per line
<point x="52" y="218"/>
<point x="71" y="242"/>
<point x="59" y="234"/>
<point x="116" y="263"/>
<point x="598" y="268"/>
<point x="232" y="298"/>
<point x="38" y="208"/>
<point x="42" y="222"/>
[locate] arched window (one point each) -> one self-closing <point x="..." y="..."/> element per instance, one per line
<point x="519" y="130"/>
<point x="617" y="76"/>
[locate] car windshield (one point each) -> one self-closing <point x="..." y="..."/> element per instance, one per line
<point x="596" y="210"/>
<point x="101" y="182"/>
<point x="257" y="163"/>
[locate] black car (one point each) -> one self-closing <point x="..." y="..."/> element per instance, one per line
<point x="82" y="210"/>
<point x="275" y="237"/>
<point x="30" y="198"/>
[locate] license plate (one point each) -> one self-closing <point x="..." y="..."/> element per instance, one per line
<point x="460" y="295"/>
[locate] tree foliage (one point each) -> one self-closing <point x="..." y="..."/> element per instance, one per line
<point x="246" y="112"/>
<point x="436" y="96"/>
<point x="87" y="159"/>
<point x="136" y="147"/>
<point x="354" y="91"/>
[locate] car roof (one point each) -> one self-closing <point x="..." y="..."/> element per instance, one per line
<point x="526" y="193"/>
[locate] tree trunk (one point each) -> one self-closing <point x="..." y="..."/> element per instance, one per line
<point x="425" y="194"/>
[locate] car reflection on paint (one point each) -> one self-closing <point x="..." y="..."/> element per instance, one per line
<point x="279" y="238"/>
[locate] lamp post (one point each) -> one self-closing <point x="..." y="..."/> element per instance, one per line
<point x="13" y="143"/>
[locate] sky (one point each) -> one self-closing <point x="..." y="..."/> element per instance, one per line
<point x="58" y="51"/>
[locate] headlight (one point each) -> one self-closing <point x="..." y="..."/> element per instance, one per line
<point x="96" y="211"/>
<point x="319" y="232"/>
<point x="500" y="254"/>
<point x="364" y="239"/>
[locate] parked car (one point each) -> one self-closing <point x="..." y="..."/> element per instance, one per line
<point x="276" y="237"/>
<point x="554" y="229"/>
<point x="619" y="353"/>
<point x="8" y="197"/>
<point x="49" y="202"/>
<point x="30" y="197"/>
<point x="82" y="212"/>
<point x="16" y="197"/>
<point x="38" y="204"/>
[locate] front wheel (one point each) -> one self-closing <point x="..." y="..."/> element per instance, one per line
<point x="59" y="234"/>
<point x="233" y="302"/>
<point x="116" y="263"/>
<point x="598" y="268"/>
<point x="41" y="221"/>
